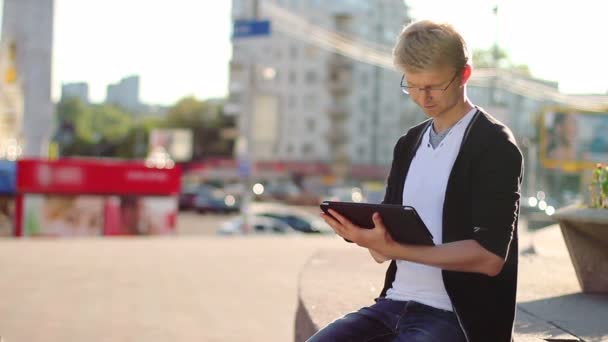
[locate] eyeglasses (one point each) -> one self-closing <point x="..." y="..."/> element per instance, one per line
<point x="408" y="90"/>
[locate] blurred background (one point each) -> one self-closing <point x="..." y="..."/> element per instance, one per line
<point x="299" y="97"/>
<point x="235" y="117"/>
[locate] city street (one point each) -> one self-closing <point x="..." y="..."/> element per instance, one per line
<point x="192" y="287"/>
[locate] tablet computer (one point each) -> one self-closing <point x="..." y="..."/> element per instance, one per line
<point x="402" y="222"/>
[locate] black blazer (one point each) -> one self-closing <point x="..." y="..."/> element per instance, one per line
<point x="481" y="203"/>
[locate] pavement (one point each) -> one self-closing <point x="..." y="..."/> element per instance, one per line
<point x="210" y="288"/>
<point x="549" y="291"/>
<point x="188" y="288"/>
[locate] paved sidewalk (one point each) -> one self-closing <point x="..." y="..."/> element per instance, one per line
<point x="232" y="289"/>
<point x="548" y="289"/>
<point x="186" y="289"/>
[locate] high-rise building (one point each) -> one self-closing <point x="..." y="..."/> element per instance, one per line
<point x="300" y="98"/>
<point x="125" y="93"/>
<point x="27" y="26"/>
<point x="79" y="90"/>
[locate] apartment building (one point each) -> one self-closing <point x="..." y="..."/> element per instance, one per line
<point x="298" y="97"/>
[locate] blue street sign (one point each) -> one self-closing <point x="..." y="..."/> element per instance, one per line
<point x="251" y="28"/>
<point x="244" y="167"/>
<point x="8" y="177"/>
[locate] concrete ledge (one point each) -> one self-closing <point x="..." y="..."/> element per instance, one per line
<point x="585" y="231"/>
<point x="337" y="281"/>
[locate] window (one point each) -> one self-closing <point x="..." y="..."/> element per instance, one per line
<point x="343" y="22"/>
<point x="311" y="77"/>
<point x="307" y="149"/>
<point x="311" y="124"/>
<point x="362" y="128"/>
<point x="292" y="77"/>
<point x="364" y="80"/>
<point x="291" y="102"/>
<point x="310" y="102"/>
<point x="363" y="104"/>
<point x="312" y="52"/>
<point x="293" y="52"/>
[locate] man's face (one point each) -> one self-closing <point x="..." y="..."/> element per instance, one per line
<point x="435" y="91"/>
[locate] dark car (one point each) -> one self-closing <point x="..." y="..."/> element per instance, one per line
<point x="215" y="200"/>
<point x="293" y="221"/>
<point x="186" y="198"/>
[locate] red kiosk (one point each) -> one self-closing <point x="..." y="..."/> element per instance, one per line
<point x="81" y="197"/>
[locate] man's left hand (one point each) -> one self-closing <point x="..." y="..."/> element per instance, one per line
<point x="377" y="238"/>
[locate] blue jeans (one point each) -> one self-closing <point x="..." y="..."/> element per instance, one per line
<point x="391" y="320"/>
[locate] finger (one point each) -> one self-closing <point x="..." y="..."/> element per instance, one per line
<point x="377" y="221"/>
<point x="333" y="224"/>
<point x="343" y="220"/>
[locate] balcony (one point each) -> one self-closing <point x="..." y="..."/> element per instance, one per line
<point x="337" y="135"/>
<point x="339" y="62"/>
<point x="340" y="72"/>
<point x="338" y="112"/>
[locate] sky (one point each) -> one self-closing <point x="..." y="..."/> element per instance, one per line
<point x="182" y="47"/>
<point x="178" y="47"/>
<point x="559" y="40"/>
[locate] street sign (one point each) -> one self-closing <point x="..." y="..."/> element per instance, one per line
<point x="244" y="169"/>
<point x="251" y="28"/>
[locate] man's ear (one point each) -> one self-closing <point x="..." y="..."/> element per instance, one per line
<point x="466" y="74"/>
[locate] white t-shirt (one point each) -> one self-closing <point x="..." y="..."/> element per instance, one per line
<point x="424" y="189"/>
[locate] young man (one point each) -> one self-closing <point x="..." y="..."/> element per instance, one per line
<point x="462" y="171"/>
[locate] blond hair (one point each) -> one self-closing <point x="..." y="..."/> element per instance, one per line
<point x="425" y="45"/>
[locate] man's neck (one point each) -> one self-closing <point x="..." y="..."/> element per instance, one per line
<point x="449" y="119"/>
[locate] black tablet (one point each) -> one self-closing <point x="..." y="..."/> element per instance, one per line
<point x="402" y="222"/>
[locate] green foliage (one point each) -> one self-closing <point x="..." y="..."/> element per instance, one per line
<point x="104" y="130"/>
<point x="206" y="120"/>
<point x="598" y="188"/>
<point x="190" y="113"/>
<point x="89" y="130"/>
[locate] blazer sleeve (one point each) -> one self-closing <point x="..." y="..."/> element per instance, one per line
<point x="392" y="179"/>
<point x="496" y="191"/>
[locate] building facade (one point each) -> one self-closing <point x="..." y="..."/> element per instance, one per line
<point x="79" y="90"/>
<point x="11" y="104"/>
<point x="125" y="93"/>
<point x="300" y="100"/>
<point x="27" y="25"/>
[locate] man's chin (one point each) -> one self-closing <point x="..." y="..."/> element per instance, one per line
<point x="430" y="111"/>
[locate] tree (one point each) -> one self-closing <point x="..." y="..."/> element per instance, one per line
<point x="207" y="122"/>
<point x="135" y="145"/>
<point x="90" y="130"/>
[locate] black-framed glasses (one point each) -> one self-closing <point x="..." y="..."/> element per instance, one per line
<point x="408" y="90"/>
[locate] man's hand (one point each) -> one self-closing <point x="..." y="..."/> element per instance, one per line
<point x="377" y="238"/>
<point x="378" y="257"/>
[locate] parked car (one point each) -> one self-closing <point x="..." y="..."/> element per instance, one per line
<point x="186" y="197"/>
<point x="255" y="225"/>
<point x="296" y="219"/>
<point x="215" y="200"/>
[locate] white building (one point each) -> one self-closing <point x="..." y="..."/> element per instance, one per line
<point x="79" y="90"/>
<point x="310" y="103"/>
<point x="125" y="93"/>
<point x="28" y="26"/>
